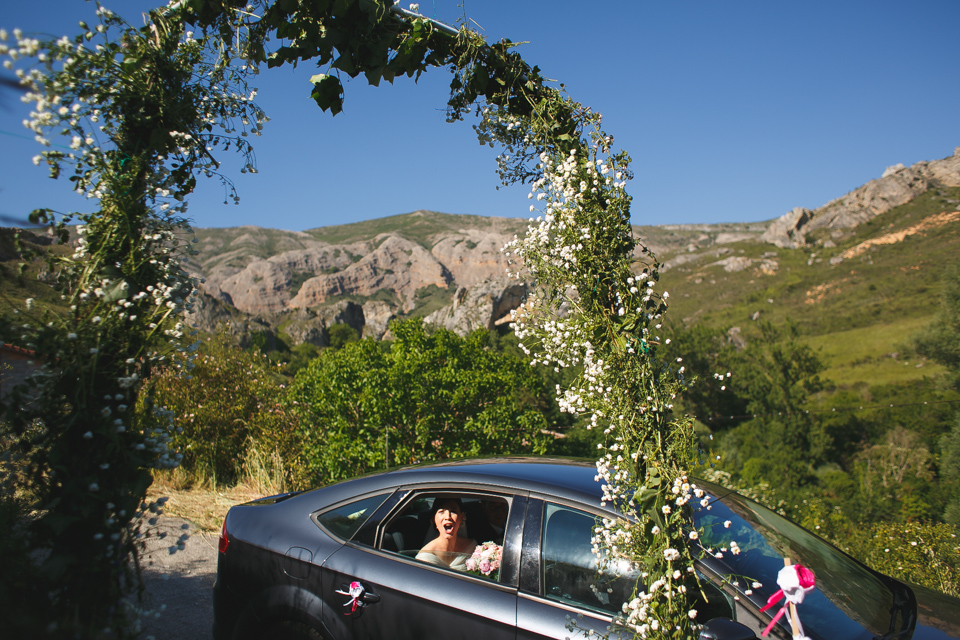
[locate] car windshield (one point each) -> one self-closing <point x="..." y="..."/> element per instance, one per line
<point x="849" y="601"/>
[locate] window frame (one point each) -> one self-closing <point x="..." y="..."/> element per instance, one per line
<point x="390" y="497"/>
<point x="517" y="502"/>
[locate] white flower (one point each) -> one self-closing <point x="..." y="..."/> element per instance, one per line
<point x="694" y="535"/>
<point x="671" y="554"/>
<point x="415" y="6"/>
<point x="666" y="509"/>
<point x="71" y="336"/>
<point x="726" y="524"/>
<point x="94" y="486"/>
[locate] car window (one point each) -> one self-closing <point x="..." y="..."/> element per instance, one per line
<point x="345" y="520"/>
<point x="569" y="565"/>
<point x="484" y="520"/>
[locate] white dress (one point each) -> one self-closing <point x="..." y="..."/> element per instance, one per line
<point x="459" y="562"/>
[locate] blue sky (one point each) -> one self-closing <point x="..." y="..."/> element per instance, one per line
<point x="732" y="111"/>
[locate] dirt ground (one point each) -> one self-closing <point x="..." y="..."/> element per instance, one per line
<point x="179" y="586"/>
<point x="179" y="597"/>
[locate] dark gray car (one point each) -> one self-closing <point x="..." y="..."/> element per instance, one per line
<point x="339" y="563"/>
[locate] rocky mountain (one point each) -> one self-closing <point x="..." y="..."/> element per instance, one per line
<point x="449" y="269"/>
<point x="299" y="283"/>
<point x="898" y="185"/>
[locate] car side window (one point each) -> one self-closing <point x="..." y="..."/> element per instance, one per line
<point x="569" y="566"/>
<point x="483" y="521"/>
<point x="346" y="520"/>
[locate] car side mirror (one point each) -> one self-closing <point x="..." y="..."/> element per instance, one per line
<point x="726" y="629"/>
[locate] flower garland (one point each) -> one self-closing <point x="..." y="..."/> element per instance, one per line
<point x="597" y="306"/>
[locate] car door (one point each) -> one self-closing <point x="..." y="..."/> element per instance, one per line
<point x="402" y="598"/>
<point x="557" y="571"/>
<point x="558" y="576"/>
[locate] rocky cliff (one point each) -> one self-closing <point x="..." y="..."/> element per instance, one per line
<point x="449" y="269"/>
<point x="898" y="185"/>
<point x="299" y="284"/>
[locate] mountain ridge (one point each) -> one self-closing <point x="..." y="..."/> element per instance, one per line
<point x="448" y="267"/>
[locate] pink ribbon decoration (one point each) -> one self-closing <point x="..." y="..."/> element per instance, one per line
<point x="355" y="592"/>
<point x="795" y="582"/>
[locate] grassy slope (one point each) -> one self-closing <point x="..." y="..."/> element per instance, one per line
<point x="857" y="311"/>
<point x="16" y="288"/>
<point x="419" y="226"/>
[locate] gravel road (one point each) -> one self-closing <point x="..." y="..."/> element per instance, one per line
<point x="179" y="585"/>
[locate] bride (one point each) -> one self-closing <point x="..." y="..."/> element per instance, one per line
<point x="448" y="549"/>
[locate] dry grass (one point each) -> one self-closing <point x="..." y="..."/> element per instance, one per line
<point x="203" y="505"/>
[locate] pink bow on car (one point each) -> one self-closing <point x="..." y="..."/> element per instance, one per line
<point x="355" y="592"/>
<point x="795" y="582"/>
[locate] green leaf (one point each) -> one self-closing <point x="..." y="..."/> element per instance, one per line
<point x="327" y="92"/>
<point x="346" y="64"/>
<point x="373" y="76"/>
<point x="119" y="291"/>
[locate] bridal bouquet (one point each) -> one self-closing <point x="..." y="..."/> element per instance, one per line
<point x="486" y="559"/>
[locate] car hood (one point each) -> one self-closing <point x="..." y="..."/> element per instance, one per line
<point x="938" y="615"/>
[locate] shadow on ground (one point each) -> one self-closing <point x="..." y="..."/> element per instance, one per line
<point x="179" y="586"/>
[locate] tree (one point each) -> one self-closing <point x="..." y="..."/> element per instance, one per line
<point x="940" y="341"/>
<point x="425" y="396"/>
<point x="143" y="111"/>
<point x="228" y="401"/>
<point x="340" y="334"/>
<point x="775" y="376"/>
<point x="950" y="471"/>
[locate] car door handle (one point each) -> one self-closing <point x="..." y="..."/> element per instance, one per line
<point x="358" y="594"/>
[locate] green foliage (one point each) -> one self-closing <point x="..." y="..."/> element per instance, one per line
<point x="341" y="334"/>
<point x="429" y="299"/>
<point x="922" y="553"/>
<point x="227" y="400"/>
<point x="300" y="356"/>
<point x="941" y="340"/>
<point x="19" y="592"/>
<point x="926" y="554"/>
<point x="876" y="354"/>
<point x="425" y="396"/>
<point x="950" y="472"/>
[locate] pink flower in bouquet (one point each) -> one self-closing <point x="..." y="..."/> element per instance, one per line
<point x="486" y="558"/>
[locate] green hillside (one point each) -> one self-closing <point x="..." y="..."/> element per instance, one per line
<point x="856" y="309"/>
<point x="419" y="226"/>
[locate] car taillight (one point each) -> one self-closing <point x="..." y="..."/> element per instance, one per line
<point x="224" y="540"/>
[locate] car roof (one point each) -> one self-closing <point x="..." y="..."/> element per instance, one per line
<point x="564" y="478"/>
